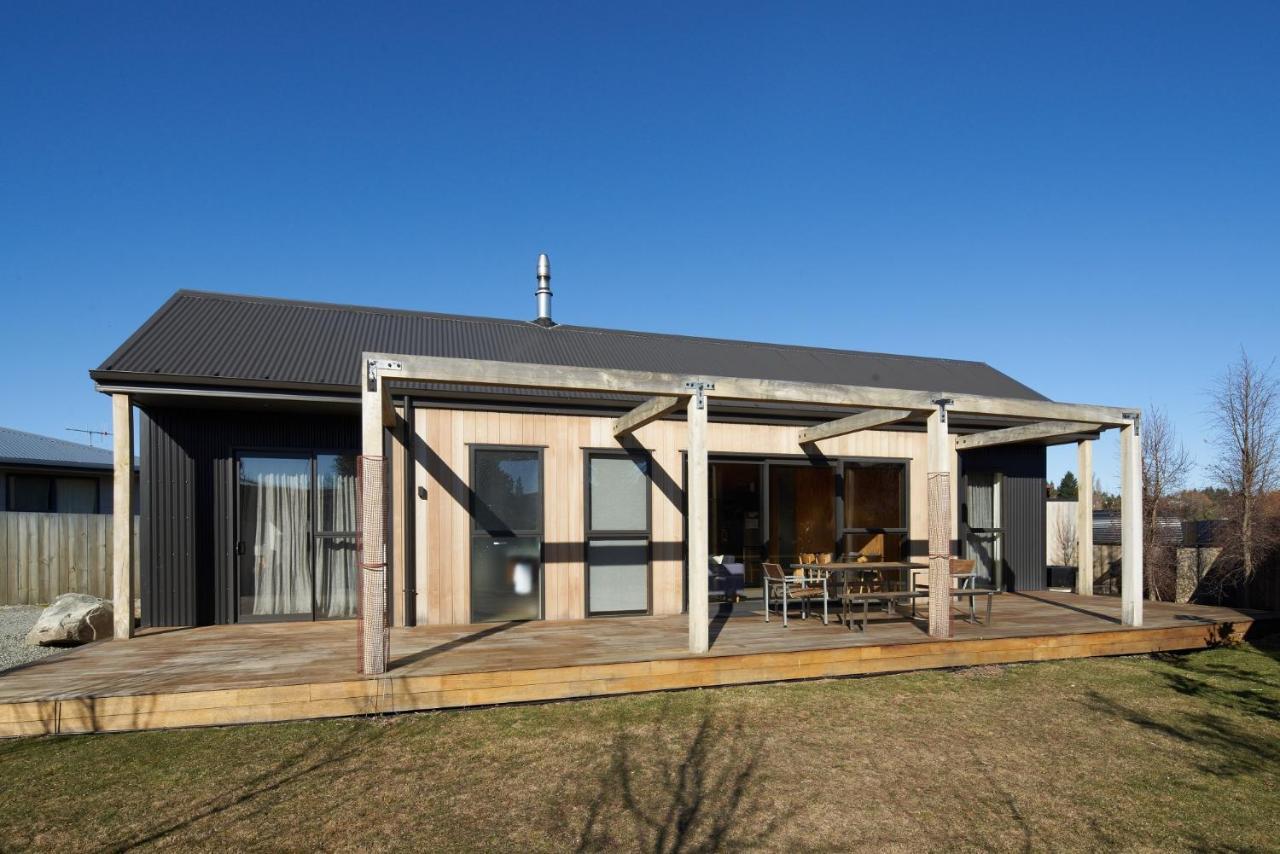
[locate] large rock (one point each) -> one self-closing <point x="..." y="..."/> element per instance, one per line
<point x="73" y="618"/>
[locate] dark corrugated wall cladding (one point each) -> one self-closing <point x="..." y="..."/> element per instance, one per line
<point x="188" y="501"/>
<point x="1022" y="508"/>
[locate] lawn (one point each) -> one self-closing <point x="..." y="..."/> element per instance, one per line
<point x="1154" y="753"/>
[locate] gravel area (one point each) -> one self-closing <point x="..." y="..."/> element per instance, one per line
<point x="15" y="622"/>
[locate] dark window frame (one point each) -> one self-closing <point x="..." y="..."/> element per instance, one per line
<point x="590" y="533"/>
<point x="474" y="531"/>
<point x="313" y="532"/>
<point x="51" y="486"/>
<point x="902" y="531"/>
<point x="834" y="461"/>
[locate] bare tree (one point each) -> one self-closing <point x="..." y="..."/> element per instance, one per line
<point x="1246" y="422"/>
<point x="1165" y="465"/>
<point x="1065" y="536"/>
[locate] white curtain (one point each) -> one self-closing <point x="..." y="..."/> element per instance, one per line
<point x="336" y="556"/>
<point x="982" y="496"/>
<point x="282" y="577"/>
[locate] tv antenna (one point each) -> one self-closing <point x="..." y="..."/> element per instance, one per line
<point x="90" y="433"/>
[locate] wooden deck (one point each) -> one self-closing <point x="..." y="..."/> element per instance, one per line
<point x="286" y="671"/>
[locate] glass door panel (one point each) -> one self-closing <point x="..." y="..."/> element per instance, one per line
<point x="801" y="512"/>
<point x="735" y="516"/>
<point x="335" y="536"/>
<point x="875" y="510"/>
<point x="275" y="529"/>
<point x="506" y="541"/>
<point x="983" y="532"/>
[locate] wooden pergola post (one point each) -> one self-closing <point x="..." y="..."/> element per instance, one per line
<point x="1084" y="518"/>
<point x="939" y="497"/>
<point x="696" y="504"/>
<point x="375" y="411"/>
<point x="122" y="515"/>
<point x="1131" y="524"/>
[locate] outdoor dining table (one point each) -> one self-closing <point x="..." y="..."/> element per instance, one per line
<point x="880" y="568"/>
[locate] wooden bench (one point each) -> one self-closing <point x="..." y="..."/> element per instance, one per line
<point x="892" y="597"/>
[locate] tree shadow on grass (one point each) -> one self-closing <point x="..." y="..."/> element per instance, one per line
<point x="698" y="795"/>
<point x="319" y="754"/>
<point x="1236" y="745"/>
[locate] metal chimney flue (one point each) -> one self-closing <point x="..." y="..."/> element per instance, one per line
<point x="544" y="292"/>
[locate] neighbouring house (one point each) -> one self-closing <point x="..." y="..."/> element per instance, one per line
<point x="41" y="474"/>
<point x="528" y="470"/>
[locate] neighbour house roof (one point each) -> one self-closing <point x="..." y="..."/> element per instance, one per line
<point x="18" y="447"/>
<point x="223" y="339"/>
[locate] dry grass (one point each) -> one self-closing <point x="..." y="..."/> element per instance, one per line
<point x="1176" y="752"/>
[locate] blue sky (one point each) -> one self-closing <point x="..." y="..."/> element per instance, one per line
<point x="1084" y="195"/>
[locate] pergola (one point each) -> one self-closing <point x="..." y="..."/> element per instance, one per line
<point x="665" y="393"/>
<point x="870" y="408"/>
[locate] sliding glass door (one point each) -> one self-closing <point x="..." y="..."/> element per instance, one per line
<point x="875" y="510"/>
<point x="981" y="523"/>
<point x="275" y="537"/>
<point x="335" y="536"/>
<point x="801" y="511"/>
<point x="506" y="534"/>
<point x="295" y="544"/>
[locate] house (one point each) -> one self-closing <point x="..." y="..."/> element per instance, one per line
<point x="41" y="474"/>
<point x="510" y="470"/>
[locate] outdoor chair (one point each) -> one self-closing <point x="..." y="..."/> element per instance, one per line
<point x="785" y="589"/>
<point x="963" y="577"/>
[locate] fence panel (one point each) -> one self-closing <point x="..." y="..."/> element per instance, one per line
<point x="43" y="555"/>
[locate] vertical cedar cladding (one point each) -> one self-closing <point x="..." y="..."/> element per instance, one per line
<point x="188" y="525"/>
<point x="1022" y="508"/>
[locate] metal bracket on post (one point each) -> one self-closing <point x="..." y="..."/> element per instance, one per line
<point x="943" y="403"/>
<point x="699" y="388"/>
<point x="376" y="365"/>
<point x="1137" y="418"/>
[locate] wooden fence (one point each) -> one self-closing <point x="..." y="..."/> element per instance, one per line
<point x="43" y="555"/>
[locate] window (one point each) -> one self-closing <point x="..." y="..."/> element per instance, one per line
<point x="75" y="495"/>
<point x="875" y="510"/>
<point x="30" y="493"/>
<point x="618" y="531"/>
<point x="506" y="534"/>
<point x="38" y="493"/>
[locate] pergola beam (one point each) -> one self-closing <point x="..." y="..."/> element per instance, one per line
<point x="853" y="424"/>
<point x="1025" y="433"/>
<point x="651" y="410"/>
<point x="481" y="372"/>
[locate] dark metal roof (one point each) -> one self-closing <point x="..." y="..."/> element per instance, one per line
<point x="17" y="447"/>
<point x="200" y="337"/>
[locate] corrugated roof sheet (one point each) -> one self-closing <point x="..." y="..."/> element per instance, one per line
<point x="273" y="342"/>
<point x="21" y="447"/>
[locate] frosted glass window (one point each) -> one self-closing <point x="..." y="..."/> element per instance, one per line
<point x="506" y="579"/>
<point x="619" y="493"/>
<point x="618" y="576"/>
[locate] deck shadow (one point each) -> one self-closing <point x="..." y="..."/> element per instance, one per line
<point x="456" y="643"/>
<point x="1087" y="612"/>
